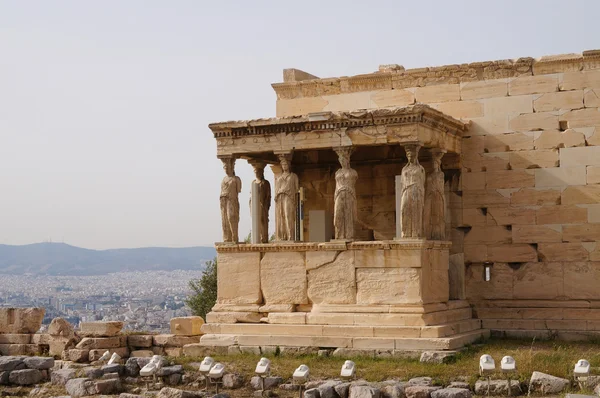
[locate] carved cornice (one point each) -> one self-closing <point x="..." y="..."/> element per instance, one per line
<point x="447" y="74"/>
<point x="330" y="121"/>
<point x="333" y="245"/>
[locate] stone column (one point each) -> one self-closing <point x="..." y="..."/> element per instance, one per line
<point x="345" y="208"/>
<point x="231" y="186"/>
<point x="286" y="188"/>
<point x="412" y="194"/>
<point x="434" y="216"/>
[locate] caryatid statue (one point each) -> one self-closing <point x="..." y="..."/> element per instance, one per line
<point x="345" y="209"/>
<point x="231" y="186"/>
<point x="413" y="194"/>
<point x="434" y="216"/>
<point x="286" y="187"/>
<point x="264" y="201"/>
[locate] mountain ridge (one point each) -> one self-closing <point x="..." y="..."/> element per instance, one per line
<point x="49" y="258"/>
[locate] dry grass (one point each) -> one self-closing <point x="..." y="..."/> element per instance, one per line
<point x="552" y="357"/>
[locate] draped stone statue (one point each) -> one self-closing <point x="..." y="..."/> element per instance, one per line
<point x="434" y="217"/>
<point x="413" y="194"/>
<point x="345" y="209"/>
<point x="231" y="186"/>
<point x="286" y="187"/>
<point x="264" y="201"/>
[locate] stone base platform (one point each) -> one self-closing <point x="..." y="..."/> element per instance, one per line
<point x="440" y="326"/>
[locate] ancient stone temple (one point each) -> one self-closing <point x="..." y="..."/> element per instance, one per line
<point x="416" y="209"/>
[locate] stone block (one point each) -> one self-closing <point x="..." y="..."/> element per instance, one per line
<point x="171" y="340"/>
<point x="392" y="98"/>
<point x="581" y="233"/>
<point x="562" y="100"/>
<point x="472" y="145"/>
<point x="25" y="377"/>
<point x="40" y="363"/>
<point x="438" y="93"/>
<point x="580" y="156"/>
<point x="591" y="98"/>
<point x="580" y="80"/>
<point x="461" y="109"/>
<point x="174" y="351"/>
<point x="187" y="326"/>
<point x="139" y="340"/>
<point x="581" y="118"/>
<point x="496" y="161"/>
<point x="551" y="139"/>
<point x="547" y="384"/>
<point x="535" y="121"/>
<point x="541" y="281"/>
<point x="61" y="327"/>
<point x="239" y="278"/>
<point x="473" y="181"/>
<point x="586" y="194"/>
<point x="485" y="198"/>
<point x="141" y="353"/>
<point x="562" y="252"/>
<point x="299" y="106"/>
<point x="348" y="101"/>
<point x="19" y="349"/>
<point x="283" y="278"/>
<point x="593" y="174"/>
<point x="509" y="179"/>
<point x="539" y="158"/>
<point x="563" y="214"/>
<point x="593" y="213"/>
<point x="533" y="84"/>
<point x="200" y="350"/>
<point x="298" y="318"/>
<point x="475" y="253"/>
<point x="508" y="142"/>
<point x="100" y="329"/>
<point x="95" y="354"/>
<point x="21" y="320"/>
<point x="40" y="339"/>
<point x="536" y="197"/>
<point x="91" y="343"/>
<point x="518" y="252"/>
<point x="484" y="89"/>
<point x="61" y="376"/>
<point x="560" y="176"/>
<point x="388" y="285"/>
<point x="320" y="289"/>
<point x="57" y="344"/>
<point x="536" y="233"/>
<point x="76" y="355"/>
<point x="488" y="235"/>
<point x="581" y="280"/>
<point x="474" y="217"/>
<point x="505" y="107"/>
<point x="510" y="216"/>
<point x="15" y="338"/>
<point x="489" y="124"/>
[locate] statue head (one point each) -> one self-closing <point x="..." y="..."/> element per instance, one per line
<point x="284" y="160"/>
<point x="436" y="158"/>
<point x="228" y="166"/>
<point x="412" y="153"/>
<point x="259" y="171"/>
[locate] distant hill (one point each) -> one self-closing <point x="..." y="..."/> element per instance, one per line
<point x="63" y="259"/>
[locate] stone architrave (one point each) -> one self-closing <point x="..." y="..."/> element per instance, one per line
<point x="286" y="187"/>
<point x="345" y="209"/>
<point x="231" y="186"/>
<point x="264" y="202"/>
<point x="413" y="194"/>
<point x="434" y="215"/>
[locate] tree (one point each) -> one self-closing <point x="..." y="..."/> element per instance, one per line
<point x="205" y="290"/>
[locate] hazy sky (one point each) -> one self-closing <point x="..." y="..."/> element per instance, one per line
<point x="104" y="105"/>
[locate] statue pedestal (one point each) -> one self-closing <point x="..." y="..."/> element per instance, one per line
<point x="379" y="295"/>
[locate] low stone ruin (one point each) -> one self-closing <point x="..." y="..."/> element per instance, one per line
<point x="17" y="328"/>
<point x="25" y="371"/>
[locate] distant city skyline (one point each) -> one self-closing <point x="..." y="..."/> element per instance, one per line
<point x="104" y="106"/>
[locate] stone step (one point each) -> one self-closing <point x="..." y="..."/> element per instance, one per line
<point x="368" y="343"/>
<point x="533" y="313"/>
<point x="541" y="324"/>
<point x="346" y="330"/>
<point x="565" y="335"/>
<point x="19" y="349"/>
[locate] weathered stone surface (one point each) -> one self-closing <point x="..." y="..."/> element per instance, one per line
<point x="393" y="390"/>
<point x="9" y="363"/>
<point x="343" y="389"/>
<point x="341" y="269"/>
<point x="108" y="387"/>
<point x="327" y="389"/>
<point x="19" y="349"/>
<point x="233" y="381"/>
<point x="459" y="384"/>
<point x="61" y="327"/>
<point x="139" y="341"/>
<point x="451" y="393"/>
<point x="497" y="387"/>
<point x="171" y="340"/>
<point x="169" y="370"/>
<point x="421" y="381"/>
<point x="15" y="338"/>
<point x="142" y="353"/>
<point x="239" y="278"/>
<point x="39" y="362"/>
<point x="270" y="382"/>
<point x="132" y="367"/>
<point x="558" y="139"/>
<point x="388" y="285"/>
<point x="169" y="392"/>
<point x="100" y="329"/>
<point x="21" y="320"/>
<point x="76" y="355"/>
<point x="283" y="278"/>
<point x="360" y="391"/>
<point x="58" y="344"/>
<point x="311" y="393"/>
<point x="187" y="326"/>
<point x="40" y="339"/>
<point x="437" y="356"/>
<point x="92" y="372"/>
<point x="547" y="384"/>
<point x="94" y="343"/>
<point x="61" y="376"/>
<point x="80" y="387"/>
<point x="25" y="377"/>
<point x="419" y="391"/>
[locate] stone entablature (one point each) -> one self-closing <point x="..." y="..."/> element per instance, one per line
<point x="333" y="245"/>
<point x="325" y="130"/>
<point x="398" y="78"/>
